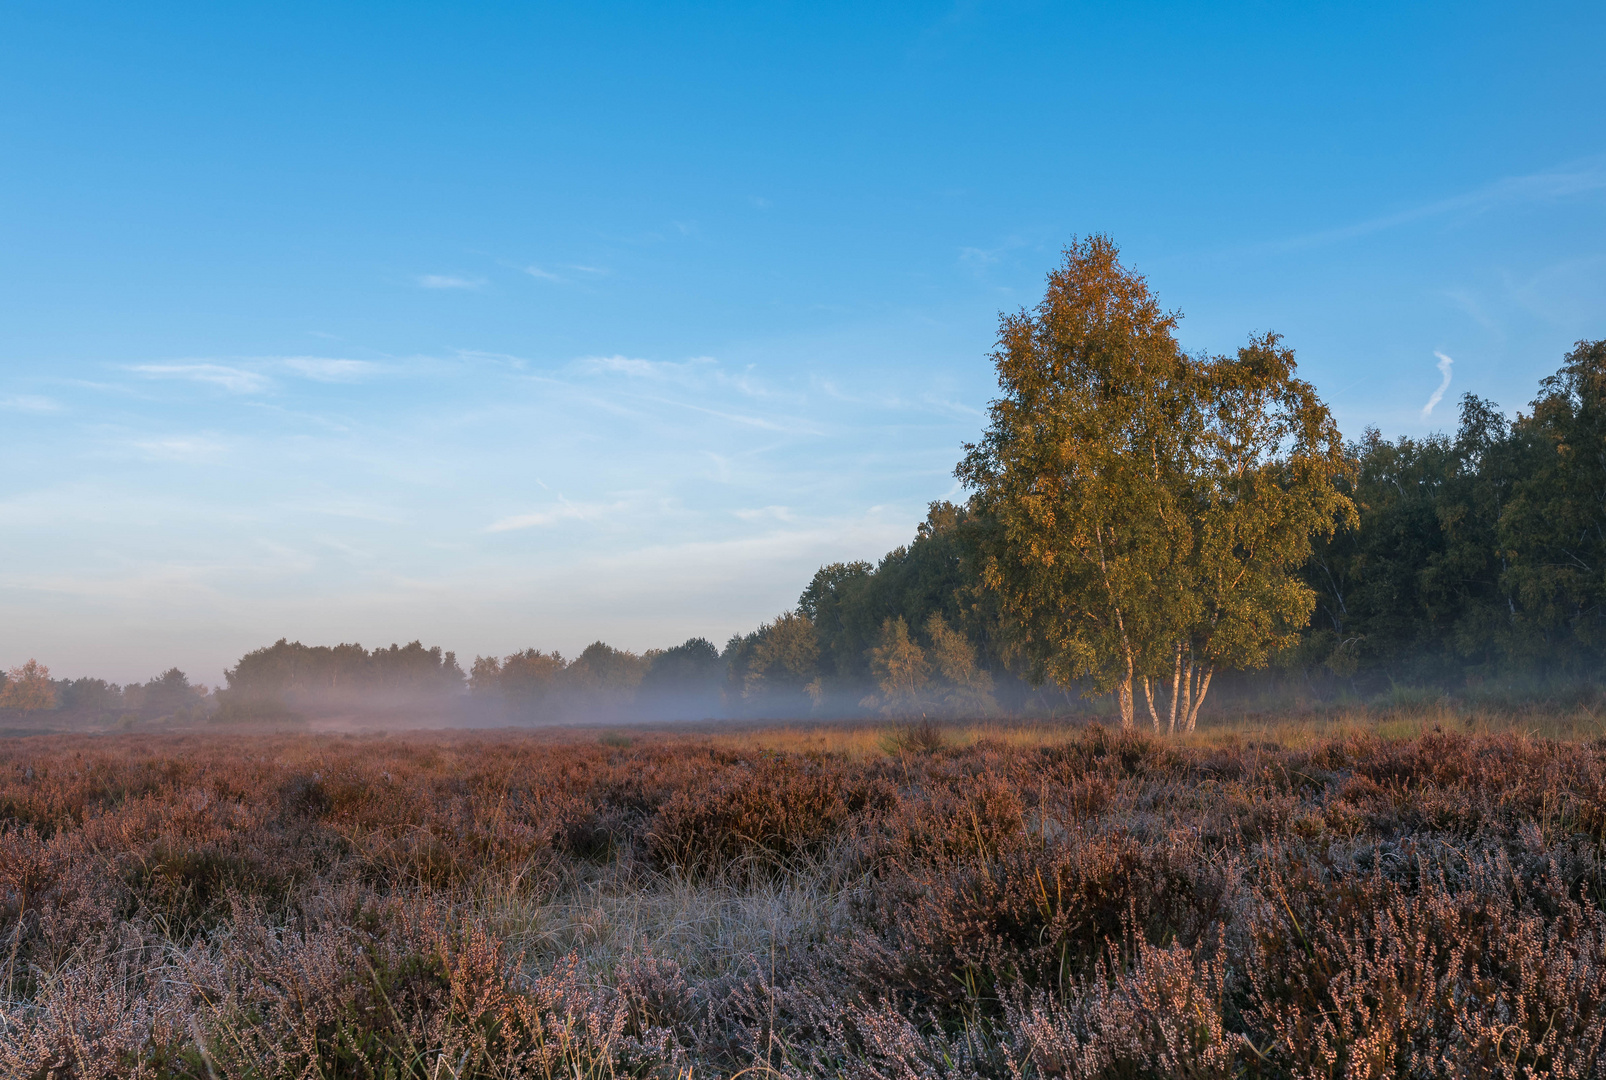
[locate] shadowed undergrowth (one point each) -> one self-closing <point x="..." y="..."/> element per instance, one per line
<point x="1013" y="902"/>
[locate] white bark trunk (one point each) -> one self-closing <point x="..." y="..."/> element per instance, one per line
<point x="1176" y="687"/>
<point x="1148" y="696"/>
<point x="1204" y="672"/>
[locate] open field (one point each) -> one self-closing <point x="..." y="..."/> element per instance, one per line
<point x="1410" y="891"/>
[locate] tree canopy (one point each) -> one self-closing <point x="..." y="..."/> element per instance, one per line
<point x="1149" y="510"/>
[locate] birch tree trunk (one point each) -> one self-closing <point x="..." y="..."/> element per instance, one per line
<point x="1148" y="696"/>
<point x="1176" y="687"/>
<point x="1202" y="674"/>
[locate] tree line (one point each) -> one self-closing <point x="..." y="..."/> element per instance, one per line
<point x="1140" y="520"/>
<point x="1251" y="539"/>
<point x="29" y="688"/>
<point x="1477" y="556"/>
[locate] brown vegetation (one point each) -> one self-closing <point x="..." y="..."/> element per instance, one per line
<point x="894" y="903"/>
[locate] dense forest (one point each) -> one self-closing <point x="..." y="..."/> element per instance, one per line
<point x="1477" y="556"/>
<point x="1140" y="520"/>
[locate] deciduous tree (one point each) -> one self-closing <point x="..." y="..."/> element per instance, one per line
<point x="967" y="686"/>
<point x="28" y="687"/>
<point x="776" y="662"/>
<point x="1148" y="510"/>
<point x="899" y="665"/>
<point x="1077" y="473"/>
<point x="1261" y="479"/>
<point x="1555" y="525"/>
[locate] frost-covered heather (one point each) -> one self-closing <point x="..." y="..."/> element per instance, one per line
<point x="1075" y="904"/>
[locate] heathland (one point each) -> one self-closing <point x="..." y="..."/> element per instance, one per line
<point x="1413" y="892"/>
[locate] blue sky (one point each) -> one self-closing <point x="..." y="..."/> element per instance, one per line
<point x="515" y="325"/>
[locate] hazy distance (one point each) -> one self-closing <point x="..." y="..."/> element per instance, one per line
<point x="508" y="329"/>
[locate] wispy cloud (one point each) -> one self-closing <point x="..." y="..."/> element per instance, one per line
<point x="925" y="402"/>
<point x="29" y="403"/>
<point x="698" y="372"/>
<point x="785" y="424"/>
<point x="181" y="448"/>
<point x="545" y="274"/>
<point x="233" y="379"/>
<point x="449" y="281"/>
<point x="645" y="369"/>
<point x="563" y="511"/>
<point x="766" y="513"/>
<point x="1445" y="363"/>
<point x="248" y="375"/>
<point x="324" y="369"/>
<point x="1574" y="178"/>
<point x="354" y="508"/>
<point x="949" y="407"/>
<point x="978" y="258"/>
<point x="495" y="359"/>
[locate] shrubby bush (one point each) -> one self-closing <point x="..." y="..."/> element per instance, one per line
<point x="1094" y="905"/>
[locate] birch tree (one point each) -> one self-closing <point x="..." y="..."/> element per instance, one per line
<point x="1077" y="472"/>
<point x="1148" y="510"/>
<point x="1262" y="475"/>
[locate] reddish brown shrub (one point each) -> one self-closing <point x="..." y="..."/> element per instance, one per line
<point x="1111" y="905"/>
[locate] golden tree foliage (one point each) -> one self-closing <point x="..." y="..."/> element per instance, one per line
<point x="970" y="686"/>
<point x="28" y="687"/>
<point x="1148" y="509"/>
<point x="899" y="664"/>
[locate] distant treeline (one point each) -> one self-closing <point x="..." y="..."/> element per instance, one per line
<point x="1476" y="558"/>
<point x="30" y="689"/>
<point x="1480" y="555"/>
<point x="1141" y="520"/>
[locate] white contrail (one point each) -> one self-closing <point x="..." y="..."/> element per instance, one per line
<point x="1438" y="395"/>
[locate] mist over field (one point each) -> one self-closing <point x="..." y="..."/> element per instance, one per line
<point x="1258" y="545"/>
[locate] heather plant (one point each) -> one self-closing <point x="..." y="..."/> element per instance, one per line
<point x="1071" y="902"/>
